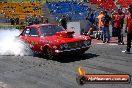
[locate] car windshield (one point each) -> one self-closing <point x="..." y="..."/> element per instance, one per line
<point x="50" y="30"/>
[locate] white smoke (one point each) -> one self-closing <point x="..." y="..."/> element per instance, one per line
<point x="10" y="44"/>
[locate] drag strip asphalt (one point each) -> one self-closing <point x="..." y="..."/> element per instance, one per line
<point x="37" y="72"/>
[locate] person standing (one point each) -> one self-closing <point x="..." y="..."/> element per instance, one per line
<point x="118" y="25"/>
<point x="122" y="16"/>
<point x="99" y="18"/>
<point x="46" y="20"/>
<point x="105" y="27"/>
<point x="17" y="20"/>
<point x="29" y="20"/>
<point x="129" y="29"/>
<point x="12" y="20"/>
<point x="87" y="26"/>
<point x="112" y="23"/>
<point x="63" y="22"/>
<point x="36" y="19"/>
<point x="92" y="18"/>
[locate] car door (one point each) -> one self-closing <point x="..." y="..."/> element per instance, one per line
<point x="34" y="39"/>
<point x="25" y="35"/>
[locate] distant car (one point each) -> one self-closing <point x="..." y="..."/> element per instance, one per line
<point x="52" y="40"/>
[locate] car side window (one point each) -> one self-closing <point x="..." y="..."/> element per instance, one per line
<point x="33" y="32"/>
<point x="26" y="32"/>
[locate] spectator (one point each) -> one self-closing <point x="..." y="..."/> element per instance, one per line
<point x="17" y="20"/>
<point x="87" y="26"/>
<point x="118" y="25"/>
<point x="46" y="20"/>
<point x="122" y="16"/>
<point x="42" y="19"/>
<point x="105" y="27"/>
<point x="12" y="20"/>
<point x="129" y="29"/>
<point x="29" y="20"/>
<point x="112" y="23"/>
<point x="91" y="29"/>
<point x="99" y="18"/>
<point x="92" y="18"/>
<point x="36" y="20"/>
<point x="63" y="22"/>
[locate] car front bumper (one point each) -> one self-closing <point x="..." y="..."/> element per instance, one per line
<point x="72" y="50"/>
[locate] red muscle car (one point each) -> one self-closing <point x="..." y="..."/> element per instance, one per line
<point x="52" y="40"/>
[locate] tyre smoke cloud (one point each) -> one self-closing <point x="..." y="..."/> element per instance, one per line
<point x="10" y="44"/>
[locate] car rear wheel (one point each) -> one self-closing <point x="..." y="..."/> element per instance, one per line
<point x="49" y="53"/>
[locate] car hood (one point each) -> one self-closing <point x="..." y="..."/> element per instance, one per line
<point x="61" y="40"/>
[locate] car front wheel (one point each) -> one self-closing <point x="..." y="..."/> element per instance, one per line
<point x="49" y="53"/>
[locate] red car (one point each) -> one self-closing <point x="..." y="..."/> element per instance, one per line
<point x="52" y="40"/>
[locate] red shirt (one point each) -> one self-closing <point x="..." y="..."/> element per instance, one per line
<point x="117" y="21"/>
<point x="129" y="23"/>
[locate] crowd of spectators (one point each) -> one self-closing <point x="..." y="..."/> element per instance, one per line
<point x="103" y="22"/>
<point x="29" y="20"/>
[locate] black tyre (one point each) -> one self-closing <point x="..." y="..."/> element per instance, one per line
<point x="49" y="53"/>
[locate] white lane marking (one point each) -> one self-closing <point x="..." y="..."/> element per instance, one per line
<point x="113" y="44"/>
<point x="123" y="51"/>
<point x="100" y="43"/>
